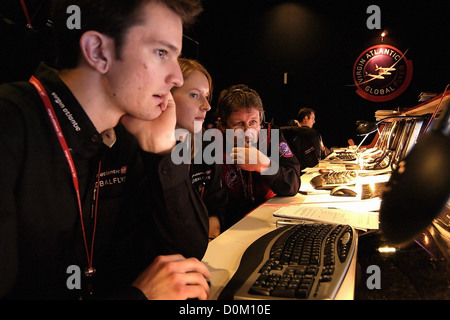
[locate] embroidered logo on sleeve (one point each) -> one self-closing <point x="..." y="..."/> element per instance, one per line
<point x="285" y="151"/>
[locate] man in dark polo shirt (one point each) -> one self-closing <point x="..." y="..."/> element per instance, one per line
<point x="85" y="152"/>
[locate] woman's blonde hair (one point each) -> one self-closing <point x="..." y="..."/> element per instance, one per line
<point x="189" y="65"/>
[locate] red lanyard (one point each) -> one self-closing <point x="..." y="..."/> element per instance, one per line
<point x="27" y="16"/>
<point x="52" y="116"/>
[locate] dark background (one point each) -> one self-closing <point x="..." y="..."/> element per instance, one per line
<point x="256" y="41"/>
<point x="317" y="43"/>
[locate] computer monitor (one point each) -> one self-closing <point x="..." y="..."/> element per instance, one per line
<point x="419" y="187"/>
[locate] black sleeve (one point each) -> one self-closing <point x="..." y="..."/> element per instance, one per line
<point x="216" y="196"/>
<point x="286" y="181"/>
<point x="161" y="215"/>
<point x="11" y="159"/>
<point x="125" y="293"/>
<point x="176" y="216"/>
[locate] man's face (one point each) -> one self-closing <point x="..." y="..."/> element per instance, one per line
<point x="310" y="120"/>
<point x="139" y="83"/>
<point x="247" y="120"/>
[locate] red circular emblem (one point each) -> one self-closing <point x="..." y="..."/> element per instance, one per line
<point x="382" y="73"/>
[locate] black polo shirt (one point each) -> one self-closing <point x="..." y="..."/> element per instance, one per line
<point x="40" y="230"/>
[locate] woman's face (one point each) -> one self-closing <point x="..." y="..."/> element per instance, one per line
<point x="191" y="101"/>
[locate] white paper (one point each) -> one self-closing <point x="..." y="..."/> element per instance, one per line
<point x="361" y="206"/>
<point x="358" y="220"/>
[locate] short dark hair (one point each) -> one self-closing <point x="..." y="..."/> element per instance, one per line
<point x="238" y="97"/>
<point x="304" y="112"/>
<point x="110" y="17"/>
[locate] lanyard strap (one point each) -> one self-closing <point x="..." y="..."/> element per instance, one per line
<point x="27" y="16"/>
<point x="52" y="116"/>
<point x="247" y="185"/>
<point x="25" y="11"/>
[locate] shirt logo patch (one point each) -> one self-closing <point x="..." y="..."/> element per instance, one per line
<point x="285" y="151"/>
<point x="231" y="178"/>
<point x="112" y="177"/>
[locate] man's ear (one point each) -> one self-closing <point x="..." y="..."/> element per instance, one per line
<point x="98" y="50"/>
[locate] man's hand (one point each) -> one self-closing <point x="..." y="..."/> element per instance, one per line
<point x="155" y="136"/>
<point x="249" y="158"/>
<point x="174" y="278"/>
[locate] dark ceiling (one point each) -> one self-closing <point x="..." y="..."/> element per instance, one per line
<point x="317" y="43"/>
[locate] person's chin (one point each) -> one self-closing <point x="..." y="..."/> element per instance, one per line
<point x="155" y="114"/>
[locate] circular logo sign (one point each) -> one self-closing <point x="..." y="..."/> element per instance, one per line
<point x="382" y="73"/>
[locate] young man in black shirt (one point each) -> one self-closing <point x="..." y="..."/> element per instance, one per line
<point x="86" y="152"/>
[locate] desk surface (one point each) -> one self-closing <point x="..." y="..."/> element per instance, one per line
<point x="224" y="253"/>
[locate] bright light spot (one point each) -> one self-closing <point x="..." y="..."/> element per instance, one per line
<point x="386" y="249"/>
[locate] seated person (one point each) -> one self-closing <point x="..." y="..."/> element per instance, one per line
<point x="96" y="136"/>
<point x="306" y="117"/>
<point x="192" y="101"/>
<point x="305" y="144"/>
<point x="240" y="107"/>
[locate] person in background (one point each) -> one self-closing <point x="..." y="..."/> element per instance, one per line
<point x="240" y="107"/>
<point x="306" y="117"/>
<point x="192" y="100"/>
<point x="305" y="143"/>
<point x="87" y="142"/>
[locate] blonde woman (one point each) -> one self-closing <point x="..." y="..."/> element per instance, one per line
<point x="192" y="101"/>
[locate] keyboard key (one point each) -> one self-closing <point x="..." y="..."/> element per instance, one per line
<point x="283" y="292"/>
<point x="260" y="290"/>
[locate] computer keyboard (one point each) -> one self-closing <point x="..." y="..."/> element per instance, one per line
<point x="303" y="261"/>
<point x="346" y="155"/>
<point x="334" y="179"/>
